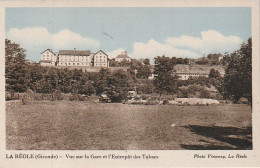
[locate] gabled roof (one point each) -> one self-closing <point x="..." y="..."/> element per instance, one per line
<point x="100" y="51"/>
<point x="49" y="50"/>
<point x="197" y="69"/>
<point x="75" y="52"/>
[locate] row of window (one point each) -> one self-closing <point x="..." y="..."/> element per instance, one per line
<point x="194" y="74"/>
<point x="100" y="57"/>
<point x="82" y="60"/>
<point x="43" y="58"/>
<point x="73" y="60"/>
<point x="81" y="64"/>
<point x="100" y="60"/>
<point x="73" y="57"/>
<point x="97" y="64"/>
<point x="71" y="64"/>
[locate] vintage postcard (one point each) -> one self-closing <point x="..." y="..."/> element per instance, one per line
<point x="129" y="83"/>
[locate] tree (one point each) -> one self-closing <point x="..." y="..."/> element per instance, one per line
<point x="214" y="58"/>
<point x="146" y="61"/>
<point x="143" y="71"/>
<point x="179" y="61"/>
<point x="118" y="86"/>
<point x="238" y="77"/>
<point x="113" y="63"/>
<point x="186" y="61"/>
<point x="163" y="72"/>
<point x="145" y="86"/>
<point x="124" y="63"/>
<point x="15" y="67"/>
<point x="101" y="84"/>
<point x="87" y="89"/>
<point x="214" y="73"/>
<point x="202" y="61"/>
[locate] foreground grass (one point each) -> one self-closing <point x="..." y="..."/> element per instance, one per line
<point x="68" y="125"/>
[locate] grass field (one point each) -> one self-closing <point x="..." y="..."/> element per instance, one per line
<point x="72" y="125"/>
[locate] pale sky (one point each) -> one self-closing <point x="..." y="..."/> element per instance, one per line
<point x="143" y="32"/>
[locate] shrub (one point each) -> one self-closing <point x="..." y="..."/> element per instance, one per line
<point x="56" y="95"/>
<point x="165" y="101"/>
<point x="151" y="102"/>
<point x="76" y="97"/>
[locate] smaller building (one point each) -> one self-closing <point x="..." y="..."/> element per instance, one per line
<point x="49" y="58"/>
<point x="123" y="56"/>
<point x="100" y="59"/>
<point x="186" y="71"/>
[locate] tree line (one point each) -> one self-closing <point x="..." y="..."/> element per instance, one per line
<point x="21" y="76"/>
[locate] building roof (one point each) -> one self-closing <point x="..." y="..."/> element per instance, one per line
<point x="197" y="69"/>
<point x="123" y="55"/>
<point x="75" y="52"/>
<point x="49" y="50"/>
<point x="100" y="51"/>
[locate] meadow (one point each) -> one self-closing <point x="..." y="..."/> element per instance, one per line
<point x="83" y="125"/>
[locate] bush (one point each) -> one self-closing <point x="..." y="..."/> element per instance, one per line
<point x="151" y="102"/>
<point x="56" y="95"/>
<point x="76" y="97"/>
<point x="165" y="101"/>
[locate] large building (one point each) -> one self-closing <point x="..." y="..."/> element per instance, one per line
<point x="74" y="58"/>
<point x="123" y="56"/>
<point x="49" y="58"/>
<point x="186" y="71"/>
<point x="100" y="59"/>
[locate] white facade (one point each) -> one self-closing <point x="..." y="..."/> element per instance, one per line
<point x="123" y="56"/>
<point x="121" y="59"/>
<point x="48" y="58"/>
<point x="100" y="59"/>
<point x="186" y="76"/>
<point x="75" y="60"/>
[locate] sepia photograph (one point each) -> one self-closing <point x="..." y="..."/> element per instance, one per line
<point x="120" y="78"/>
